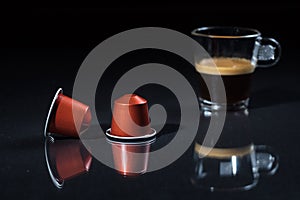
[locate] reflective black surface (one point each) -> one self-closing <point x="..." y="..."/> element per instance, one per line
<point x="44" y="48"/>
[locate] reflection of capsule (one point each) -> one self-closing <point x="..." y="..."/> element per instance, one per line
<point x="66" y="159"/>
<point x="131" y="158"/>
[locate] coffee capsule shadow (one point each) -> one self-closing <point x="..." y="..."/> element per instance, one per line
<point x="93" y="132"/>
<point x="168" y="129"/>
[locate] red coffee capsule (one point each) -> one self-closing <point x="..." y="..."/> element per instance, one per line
<point x="66" y="159"/>
<point x="67" y="116"/>
<point x="130" y="118"/>
<point x="131" y="159"/>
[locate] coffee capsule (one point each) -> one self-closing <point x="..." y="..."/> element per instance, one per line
<point x="130" y="118"/>
<point x="67" y="117"/>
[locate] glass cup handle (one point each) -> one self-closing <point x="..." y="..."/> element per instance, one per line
<point x="267" y="161"/>
<point x="269" y="52"/>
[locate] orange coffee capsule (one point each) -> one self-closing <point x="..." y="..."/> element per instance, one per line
<point x="67" y="117"/>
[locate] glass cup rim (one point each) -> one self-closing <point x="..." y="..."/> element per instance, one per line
<point x="254" y="33"/>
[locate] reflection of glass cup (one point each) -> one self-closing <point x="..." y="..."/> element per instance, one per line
<point x="131" y="158"/>
<point x="229" y="169"/>
<point x="230" y="161"/>
<point x="66" y="159"/>
<point x="234" y="54"/>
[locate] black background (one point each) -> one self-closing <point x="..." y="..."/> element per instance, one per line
<point x="42" y="48"/>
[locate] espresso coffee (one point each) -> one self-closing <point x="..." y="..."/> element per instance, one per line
<point x="235" y="74"/>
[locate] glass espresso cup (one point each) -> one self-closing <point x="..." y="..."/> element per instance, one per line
<point x="234" y="53"/>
